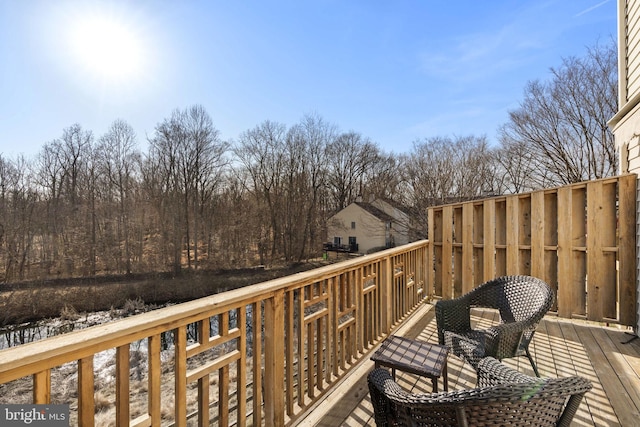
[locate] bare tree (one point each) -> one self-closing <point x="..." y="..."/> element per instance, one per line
<point x="260" y="152"/>
<point x="18" y="218"/>
<point x="564" y="121"/>
<point x="203" y="166"/>
<point x="349" y="157"/>
<point x="514" y="166"/>
<point x="441" y="170"/>
<point x="118" y="160"/>
<point x="185" y="150"/>
<point x="306" y="170"/>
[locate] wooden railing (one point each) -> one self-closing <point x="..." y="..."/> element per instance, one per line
<point x="258" y="355"/>
<point x="580" y="238"/>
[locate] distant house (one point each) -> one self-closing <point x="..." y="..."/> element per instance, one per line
<point x="367" y="227"/>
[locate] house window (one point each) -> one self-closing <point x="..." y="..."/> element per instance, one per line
<point x="337" y="241"/>
<point x="353" y="225"/>
<point x="353" y="245"/>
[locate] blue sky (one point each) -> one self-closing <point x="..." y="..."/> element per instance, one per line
<point x="395" y="71"/>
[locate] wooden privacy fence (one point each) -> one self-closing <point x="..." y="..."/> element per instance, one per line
<point x="258" y="355"/>
<point x="580" y="238"/>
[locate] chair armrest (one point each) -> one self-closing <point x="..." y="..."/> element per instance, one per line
<point x="453" y="315"/>
<point x="491" y="373"/>
<point x="381" y="385"/>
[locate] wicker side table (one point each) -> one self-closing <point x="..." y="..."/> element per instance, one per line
<point x="416" y="357"/>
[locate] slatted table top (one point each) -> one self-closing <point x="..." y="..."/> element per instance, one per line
<point x="417" y="357"/>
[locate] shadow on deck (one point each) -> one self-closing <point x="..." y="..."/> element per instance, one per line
<point x="605" y="355"/>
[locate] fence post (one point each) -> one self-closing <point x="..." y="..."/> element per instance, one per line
<point x="274" y="359"/>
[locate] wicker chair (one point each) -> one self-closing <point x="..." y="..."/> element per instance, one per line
<point x="522" y="302"/>
<point x="503" y="397"/>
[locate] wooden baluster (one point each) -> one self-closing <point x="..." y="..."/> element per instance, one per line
<point x="289" y="350"/>
<point x="256" y="317"/>
<point x="273" y="366"/>
<point x="203" y="383"/>
<point x="154" y="400"/>
<point x="241" y="387"/>
<point x="42" y="387"/>
<point x="122" y="385"/>
<point x="86" y="405"/>
<point x="223" y="377"/>
<point x="180" y="358"/>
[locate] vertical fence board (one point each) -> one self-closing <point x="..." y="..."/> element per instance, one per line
<point x="550" y="241"/>
<point x="564" y="296"/>
<point x="607" y="228"/>
<point x="594" y="251"/>
<point x="457" y="240"/>
<point x="447" y="252"/>
<point x="501" y="238"/>
<point x="438" y="223"/>
<point x="512" y="227"/>
<point x="579" y="241"/>
<point x="537" y="235"/>
<point x="431" y="254"/>
<point x="467" y="247"/>
<point x="524" y="234"/>
<point x="488" y="238"/>
<point x="627" y="248"/>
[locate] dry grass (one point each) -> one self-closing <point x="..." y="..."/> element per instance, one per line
<point x="37" y="301"/>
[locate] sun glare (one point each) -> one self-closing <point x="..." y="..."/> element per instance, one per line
<point x="107" y="49"/>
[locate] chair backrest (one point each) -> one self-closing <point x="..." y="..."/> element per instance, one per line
<point x="514" y="399"/>
<point x="517" y="298"/>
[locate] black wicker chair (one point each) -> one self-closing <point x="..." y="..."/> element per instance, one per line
<point x="522" y="302"/>
<point x="503" y="397"/>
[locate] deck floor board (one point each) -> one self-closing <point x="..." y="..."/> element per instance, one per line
<point x="561" y="347"/>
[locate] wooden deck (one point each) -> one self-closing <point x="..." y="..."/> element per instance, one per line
<point x="605" y="355"/>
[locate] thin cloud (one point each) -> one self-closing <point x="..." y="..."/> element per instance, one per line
<point x="495" y="50"/>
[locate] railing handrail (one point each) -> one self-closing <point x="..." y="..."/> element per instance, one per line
<point x="17" y="362"/>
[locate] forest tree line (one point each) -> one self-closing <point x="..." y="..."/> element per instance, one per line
<point x="97" y="204"/>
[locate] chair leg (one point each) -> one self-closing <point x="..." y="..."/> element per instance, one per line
<point x="533" y="364"/>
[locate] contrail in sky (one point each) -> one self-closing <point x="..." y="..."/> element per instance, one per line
<point x="593" y="7"/>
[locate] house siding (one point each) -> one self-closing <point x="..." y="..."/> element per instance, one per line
<point x="369" y="232"/>
<point x="401" y="221"/>
<point x="626" y="123"/>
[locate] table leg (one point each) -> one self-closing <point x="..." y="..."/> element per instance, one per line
<point x="445" y="376"/>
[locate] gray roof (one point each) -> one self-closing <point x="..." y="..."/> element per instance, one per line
<point x="375" y="211"/>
